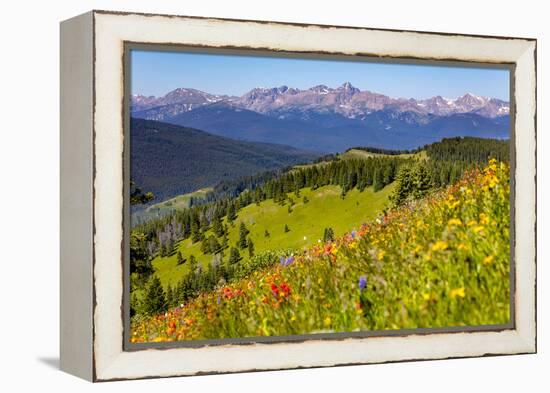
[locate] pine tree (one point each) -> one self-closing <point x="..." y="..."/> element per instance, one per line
<point x="266" y="233"/>
<point x="192" y="263"/>
<point x="181" y="260"/>
<point x="328" y="235"/>
<point x="378" y="181"/>
<point x="234" y="256"/>
<point x="196" y="235"/>
<point x="169" y="296"/>
<point x="305" y="200"/>
<point x="287" y="229"/>
<point x="243" y="232"/>
<point x="250" y="248"/>
<point x="231" y="213"/>
<point x="343" y="192"/>
<point x="422" y="182"/>
<point x="205" y="246"/>
<point x="214" y="245"/>
<point x="225" y="241"/>
<point x="217" y="227"/>
<point x="154" y="301"/>
<point x="404" y="186"/>
<point x="169" y="247"/>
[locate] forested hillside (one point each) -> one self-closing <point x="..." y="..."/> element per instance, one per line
<point x="168" y="160"/>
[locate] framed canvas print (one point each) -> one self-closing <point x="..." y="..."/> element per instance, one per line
<point x="246" y="195"/>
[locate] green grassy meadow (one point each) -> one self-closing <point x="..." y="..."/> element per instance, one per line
<point x="358" y="153"/>
<point x="306" y="222"/>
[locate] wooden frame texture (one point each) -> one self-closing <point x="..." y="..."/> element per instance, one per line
<point x="93" y="154"/>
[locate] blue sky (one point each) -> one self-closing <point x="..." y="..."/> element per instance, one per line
<point x="157" y="73"/>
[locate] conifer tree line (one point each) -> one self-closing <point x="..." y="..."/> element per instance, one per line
<point x="466" y="149"/>
<point x="469" y="150"/>
<point x="447" y="161"/>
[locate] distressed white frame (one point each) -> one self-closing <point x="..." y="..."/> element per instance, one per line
<point x="109" y="361"/>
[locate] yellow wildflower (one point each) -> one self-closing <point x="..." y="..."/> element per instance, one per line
<point x="471" y="223"/>
<point x="483" y="219"/>
<point x="488" y="259"/>
<point x="327" y="322"/>
<point x="452" y="205"/>
<point x="381" y="254"/>
<point x="478" y="228"/>
<point x="439" y="245"/>
<point x="454" y="221"/>
<point x="460" y="292"/>
<point x="426" y="296"/>
<point x="462" y="246"/>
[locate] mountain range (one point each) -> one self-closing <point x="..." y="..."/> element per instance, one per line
<point x="328" y="119"/>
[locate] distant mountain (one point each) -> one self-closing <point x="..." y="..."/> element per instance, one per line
<point x="170" y="160"/>
<point x="329" y="119"/>
<point x="177" y="101"/>
<point x="353" y="103"/>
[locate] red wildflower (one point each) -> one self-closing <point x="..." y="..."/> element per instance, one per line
<point x="285" y="288"/>
<point x="275" y="290"/>
<point x="239" y="292"/>
<point x="228" y="293"/>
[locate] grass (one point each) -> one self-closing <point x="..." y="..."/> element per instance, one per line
<point x="180" y="201"/>
<point x="306" y="222"/>
<point x="441" y="261"/>
<point x="362" y="154"/>
<point x="169" y="205"/>
<point x="358" y="153"/>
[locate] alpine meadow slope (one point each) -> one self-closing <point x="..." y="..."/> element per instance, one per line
<point x="439" y="261"/>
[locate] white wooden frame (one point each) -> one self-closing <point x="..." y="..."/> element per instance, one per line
<point x="92" y="92"/>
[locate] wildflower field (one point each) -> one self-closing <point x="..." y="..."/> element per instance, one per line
<point x="439" y="261"/>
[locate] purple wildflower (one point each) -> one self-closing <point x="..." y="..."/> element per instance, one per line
<point x="353" y="234"/>
<point x="286" y="261"/>
<point x="362" y="282"/>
